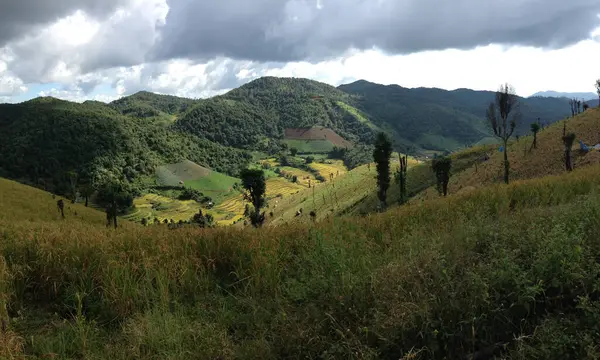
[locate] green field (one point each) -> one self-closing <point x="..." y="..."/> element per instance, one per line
<point x="310" y="146"/>
<point x="358" y="115"/>
<point x="215" y="185"/>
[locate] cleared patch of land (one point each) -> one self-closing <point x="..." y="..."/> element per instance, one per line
<point x="317" y="133"/>
<point x="174" y="174"/>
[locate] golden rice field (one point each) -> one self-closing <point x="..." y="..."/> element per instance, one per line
<point x="335" y="167"/>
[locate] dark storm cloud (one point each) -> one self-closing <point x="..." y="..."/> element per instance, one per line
<point x="19" y="17"/>
<point x="280" y="30"/>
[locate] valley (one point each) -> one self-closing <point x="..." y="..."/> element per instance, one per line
<point x="331" y="272"/>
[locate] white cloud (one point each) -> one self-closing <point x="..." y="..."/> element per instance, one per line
<point x="80" y="53"/>
<point x="76" y="95"/>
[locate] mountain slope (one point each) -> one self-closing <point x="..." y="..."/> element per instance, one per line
<point x="261" y="110"/>
<point x="442" y="120"/>
<point x="527" y="163"/>
<point x="146" y="104"/>
<point x="41" y="140"/>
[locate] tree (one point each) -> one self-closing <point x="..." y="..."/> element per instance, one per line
<point x="503" y="115"/>
<point x="578" y="106"/>
<point x="401" y="178"/>
<point x="573" y="105"/>
<point x="116" y="197"/>
<point x="73" y="178"/>
<point x="568" y="141"/>
<point x="585" y="107"/>
<point x="254" y="182"/>
<point x="204" y="221"/>
<point x="441" y="167"/>
<point x="535" y="127"/>
<point x="293" y="151"/>
<point x="598" y="90"/>
<point x="381" y="155"/>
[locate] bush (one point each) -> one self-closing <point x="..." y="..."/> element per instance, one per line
<point x="309" y="160"/>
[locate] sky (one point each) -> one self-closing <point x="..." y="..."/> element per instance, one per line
<point x="102" y="50"/>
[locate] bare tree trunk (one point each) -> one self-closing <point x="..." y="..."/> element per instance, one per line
<point x="506" y="165"/>
<point x="86" y="201"/>
<point x="568" y="162"/>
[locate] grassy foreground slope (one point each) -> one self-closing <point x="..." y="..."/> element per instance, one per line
<point x="511" y="266"/>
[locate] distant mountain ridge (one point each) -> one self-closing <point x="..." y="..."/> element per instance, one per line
<point x="579" y="95"/>
<point x="437" y="119"/>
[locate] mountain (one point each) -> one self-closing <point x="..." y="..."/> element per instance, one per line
<point x="257" y="113"/>
<point x="43" y="139"/>
<point x="579" y="95"/>
<point x="437" y="119"/>
<point x="146" y="104"/>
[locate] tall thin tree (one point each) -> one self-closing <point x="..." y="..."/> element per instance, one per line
<point x="535" y="127"/>
<point x="441" y="167"/>
<point x="598" y="90"/>
<point x="568" y="140"/>
<point x="401" y="177"/>
<point x="381" y="155"/>
<point x="503" y="114"/>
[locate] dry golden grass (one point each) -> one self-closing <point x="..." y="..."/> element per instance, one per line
<point x="417" y="276"/>
<point x="334" y="167"/>
<point x="527" y="163"/>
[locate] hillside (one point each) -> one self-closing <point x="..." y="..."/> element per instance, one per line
<point x="43" y="139"/>
<point x="527" y="163"/>
<point x="253" y="115"/>
<point x="510" y="270"/>
<point x="145" y="104"/>
<point x="441" y="120"/>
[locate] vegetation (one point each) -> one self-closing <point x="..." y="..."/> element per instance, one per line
<point x="254" y="183"/>
<point x="401" y="177"/>
<point x="435" y="119"/>
<point x="146" y="105"/>
<point x="381" y="155"/>
<point x="44" y="140"/>
<point x="535" y="128"/>
<point x="568" y="141"/>
<point x="598" y="90"/>
<point x="503" y="115"/>
<point x="511" y="265"/>
<point x="441" y="167"/>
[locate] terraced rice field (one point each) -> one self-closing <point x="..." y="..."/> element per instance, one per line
<point x="336" y="167"/>
<point x="151" y="206"/>
<point x="302" y="175"/>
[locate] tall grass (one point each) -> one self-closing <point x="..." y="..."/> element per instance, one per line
<point x="511" y="267"/>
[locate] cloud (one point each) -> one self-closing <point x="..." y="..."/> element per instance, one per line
<point x="20" y="17"/>
<point x="76" y="95"/>
<point x="314" y="30"/>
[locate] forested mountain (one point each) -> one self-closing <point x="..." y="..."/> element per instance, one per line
<point x="249" y="116"/>
<point x="440" y="119"/>
<point x="43" y="139"/>
<point x="146" y="104"/>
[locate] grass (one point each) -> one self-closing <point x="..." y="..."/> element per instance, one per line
<point x="357" y="114"/>
<point x="310" y="146"/>
<point x="511" y="265"/>
<point x="215" y="185"/>
<point x="335" y="167"/>
<point x="528" y="163"/>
